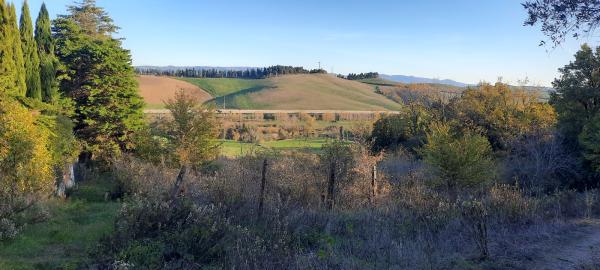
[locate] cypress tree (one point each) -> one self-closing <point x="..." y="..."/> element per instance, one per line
<point x="30" y="55"/>
<point x="7" y="68"/>
<point x="17" y="52"/>
<point x="45" y="44"/>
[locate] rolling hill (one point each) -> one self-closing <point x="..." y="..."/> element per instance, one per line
<point x="155" y="90"/>
<point x="405" y="92"/>
<point x="300" y="92"/>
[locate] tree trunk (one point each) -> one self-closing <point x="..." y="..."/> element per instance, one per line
<point x="263" y="182"/>
<point x="179" y="182"/>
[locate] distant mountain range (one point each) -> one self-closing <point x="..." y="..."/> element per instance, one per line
<point x="413" y="79"/>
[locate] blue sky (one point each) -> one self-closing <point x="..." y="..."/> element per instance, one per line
<point x="463" y="40"/>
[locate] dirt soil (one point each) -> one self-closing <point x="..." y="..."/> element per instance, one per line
<point x="578" y="249"/>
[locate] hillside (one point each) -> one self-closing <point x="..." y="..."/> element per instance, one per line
<point x="304" y="92"/>
<point x="414" y="79"/>
<point x="218" y="87"/>
<point x="156" y="89"/>
<point x="404" y="92"/>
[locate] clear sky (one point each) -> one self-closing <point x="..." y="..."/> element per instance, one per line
<point x="463" y="40"/>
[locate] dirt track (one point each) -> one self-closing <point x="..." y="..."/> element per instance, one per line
<point x="583" y="248"/>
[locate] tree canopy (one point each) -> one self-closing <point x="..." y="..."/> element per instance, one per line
<point x="560" y="18"/>
<point x="97" y="74"/>
<point x="501" y="113"/>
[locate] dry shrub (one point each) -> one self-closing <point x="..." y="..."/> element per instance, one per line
<point x="509" y="205"/>
<point x="328" y="117"/>
<point x="19" y="210"/>
<point x="133" y="176"/>
<point x="411" y="226"/>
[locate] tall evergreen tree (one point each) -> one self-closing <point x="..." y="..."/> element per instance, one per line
<point x="45" y="44"/>
<point x="17" y="52"/>
<point x="100" y="79"/>
<point x="12" y="71"/>
<point x="7" y="61"/>
<point x="30" y="55"/>
<point x="93" y="20"/>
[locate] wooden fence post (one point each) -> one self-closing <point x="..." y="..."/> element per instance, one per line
<point x="373" y="184"/>
<point x="263" y="183"/>
<point x="331" y="187"/>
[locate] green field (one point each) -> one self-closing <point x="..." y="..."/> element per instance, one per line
<point x="234" y="149"/>
<point x="218" y="87"/>
<point x="65" y="240"/>
<point x="294" y="92"/>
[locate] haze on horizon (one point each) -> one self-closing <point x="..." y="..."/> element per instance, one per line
<point x="466" y="41"/>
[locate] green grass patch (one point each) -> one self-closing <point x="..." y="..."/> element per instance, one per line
<point x="64" y="240"/>
<point x="234" y="149"/>
<point x="219" y="87"/>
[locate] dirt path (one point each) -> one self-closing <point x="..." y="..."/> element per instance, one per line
<point x="583" y="248"/>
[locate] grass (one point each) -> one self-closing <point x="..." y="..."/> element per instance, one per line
<point x="219" y="87"/>
<point x="63" y="241"/>
<point x="294" y="92"/>
<point x="234" y="149"/>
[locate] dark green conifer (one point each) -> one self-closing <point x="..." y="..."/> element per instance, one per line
<point x="30" y="55"/>
<point x="15" y="42"/>
<point x="45" y="44"/>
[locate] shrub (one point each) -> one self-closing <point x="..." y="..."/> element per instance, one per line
<point x="26" y="166"/>
<point x="408" y="129"/>
<point x="502" y="114"/>
<point x="25" y="162"/>
<point x="458" y="161"/>
<point x="541" y="163"/>
<point x="153" y="233"/>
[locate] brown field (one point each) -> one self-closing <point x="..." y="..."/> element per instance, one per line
<point x="155" y="89"/>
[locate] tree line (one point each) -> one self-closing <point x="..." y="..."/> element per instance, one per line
<point x="361" y="76"/>
<point x="250" y="73"/>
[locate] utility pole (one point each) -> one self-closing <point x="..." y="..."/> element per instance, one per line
<point x="319" y="64"/>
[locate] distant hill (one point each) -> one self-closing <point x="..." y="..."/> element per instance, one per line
<point x="413" y="79"/>
<point x="302" y="92"/>
<point x="404" y="93"/>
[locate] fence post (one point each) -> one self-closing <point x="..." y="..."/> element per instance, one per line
<point x="263" y="183"/>
<point x="331" y="187"/>
<point x="373" y="184"/>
